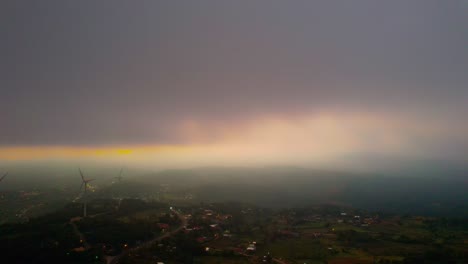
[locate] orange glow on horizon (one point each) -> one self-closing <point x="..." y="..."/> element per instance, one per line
<point x="297" y="139"/>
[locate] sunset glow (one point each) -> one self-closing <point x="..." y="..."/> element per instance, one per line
<point x="308" y="139"/>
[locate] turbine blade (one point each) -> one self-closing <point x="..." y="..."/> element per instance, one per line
<point x="81" y="173"/>
<point x="81" y="187"/>
<point x="4" y="175"/>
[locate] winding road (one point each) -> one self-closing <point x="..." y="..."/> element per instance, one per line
<point x="183" y="223"/>
<point x="78" y="233"/>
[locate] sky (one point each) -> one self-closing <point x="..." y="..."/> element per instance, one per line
<point x="233" y="82"/>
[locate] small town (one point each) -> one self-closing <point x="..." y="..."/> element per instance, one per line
<point x="171" y="225"/>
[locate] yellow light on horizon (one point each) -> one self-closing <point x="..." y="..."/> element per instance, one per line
<point x="295" y="139"/>
<point x="124" y="151"/>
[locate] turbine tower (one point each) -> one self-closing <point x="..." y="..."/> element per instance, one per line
<point x="120" y="175"/>
<point x="85" y="183"/>
<point x="3" y="177"/>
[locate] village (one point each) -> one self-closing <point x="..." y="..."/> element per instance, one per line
<point x="139" y="231"/>
<point x="239" y="232"/>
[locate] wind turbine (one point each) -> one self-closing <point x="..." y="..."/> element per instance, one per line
<point x="85" y="183"/>
<point x="120" y="175"/>
<point x="3" y="177"/>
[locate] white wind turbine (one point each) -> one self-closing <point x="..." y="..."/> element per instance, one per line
<point x="85" y="183"/>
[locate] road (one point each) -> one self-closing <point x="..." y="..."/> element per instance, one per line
<point x="279" y="261"/>
<point x="183" y="223"/>
<point x="275" y="260"/>
<point x="78" y="233"/>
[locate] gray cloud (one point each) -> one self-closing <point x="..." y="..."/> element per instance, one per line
<point x="125" y="72"/>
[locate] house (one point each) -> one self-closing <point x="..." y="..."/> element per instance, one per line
<point x="223" y="217"/>
<point x="317" y="235"/>
<point x="251" y="248"/>
<point x="227" y="233"/>
<point x="79" y="249"/>
<point x="163" y="226"/>
<point x="208" y="212"/>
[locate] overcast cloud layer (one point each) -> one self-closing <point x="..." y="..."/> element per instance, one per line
<point x="87" y="73"/>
